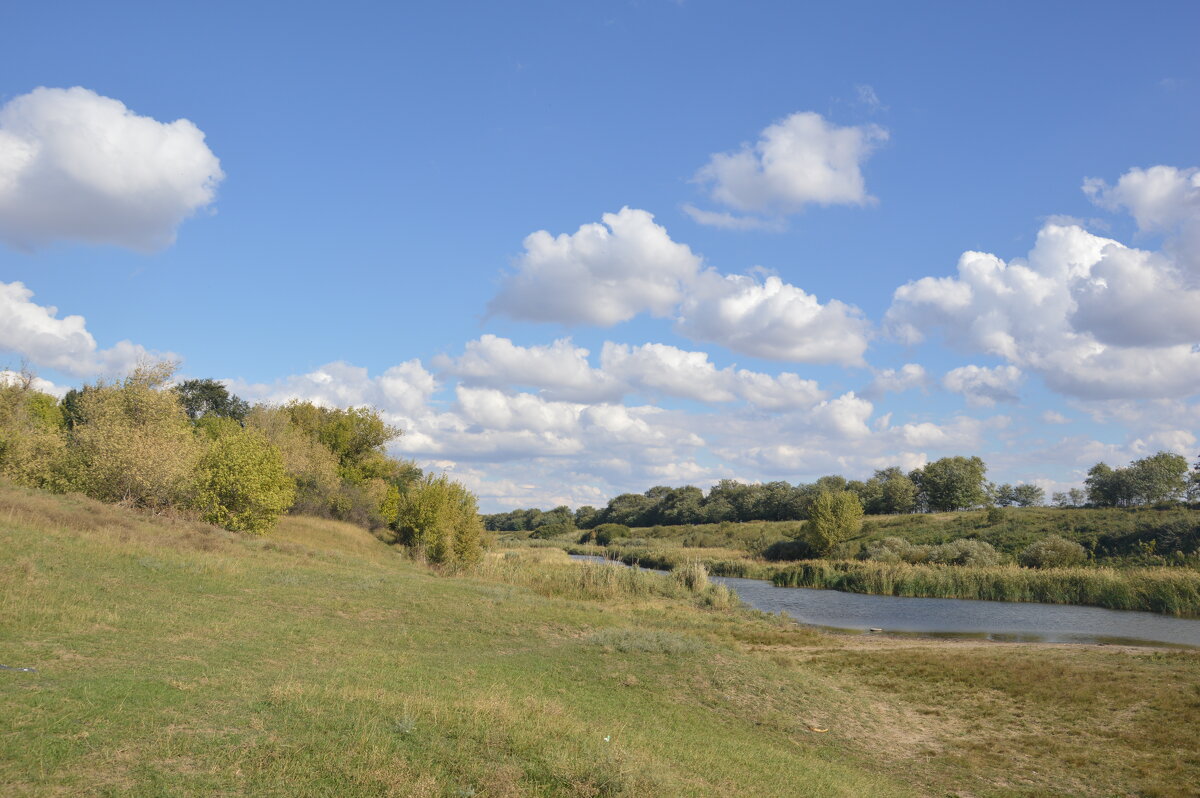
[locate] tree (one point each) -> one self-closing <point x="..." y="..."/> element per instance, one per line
<point x="313" y="467"/>
<point x="899" y="493"/>
<point x="356" y="435"/>
<point x="629" y="509"/>
<point x="1161" y="477"/>
<point x="1029" y="496"/>
<point x="32" y="442"/>
<point x="207" y="397"/>
<point x="1071" y="498"/>
<point x="586" y="516"/>
<point x="132" y="442"/>
<point x="833" y="518"/>
<point x="242" y="484"/>
<point x="953" y="483"/>
<point x="437" y="518"/>
<point x="682" y="506"/>
<point x="1004" y="495"/>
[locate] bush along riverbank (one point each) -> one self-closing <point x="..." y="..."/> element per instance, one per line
<point x="1169" y="591"/>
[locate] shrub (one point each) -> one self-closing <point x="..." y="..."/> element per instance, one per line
<point x="956" y="552"/>
<point x="798" y="549"/>
<point x="241" y="483"/>
<point x="964" y="552"/>
<point x="1052" y="552"/>
<point x="437" y="518"/>
<point x="547" y="531"/>
<point x="132" y="442"/>
<point x="31" y="433"/>
<point x="833" y="518"/>
<point x="890" y="550"/>
<point x="607" y="533"/>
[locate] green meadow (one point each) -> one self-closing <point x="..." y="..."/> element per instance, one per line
<point x="171" y="657"/>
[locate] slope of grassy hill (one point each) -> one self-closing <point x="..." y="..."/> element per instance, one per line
<point x="171" y="658"/>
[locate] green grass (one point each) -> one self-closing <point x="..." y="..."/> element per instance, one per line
<point x="176" y="659"/>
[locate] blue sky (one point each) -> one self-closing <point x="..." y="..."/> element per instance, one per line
<point x="344" y="218"/>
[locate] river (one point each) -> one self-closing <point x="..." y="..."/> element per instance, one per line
<point x="992" y="620"/>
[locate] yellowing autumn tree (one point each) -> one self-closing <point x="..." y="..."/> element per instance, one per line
<point x="132" y="442"/>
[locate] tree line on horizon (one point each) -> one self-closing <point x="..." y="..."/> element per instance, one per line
<point x="195" y="449"/>
<point x="945" y="485"/>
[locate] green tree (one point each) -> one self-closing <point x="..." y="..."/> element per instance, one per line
<point x="1029" y="495"/>
<point x="953" y="483"/>
<point x="438" y="519"/>
<point x="629" y="509"/>
<point x="1161" y="477"/>
<point x="207" y="397"/>
<point x="356" y="435"/>
<point x="309" y="462"/>
<point x="32" y="440"/>
<point x="242" y="484"/>
<point x="833" y="518"/>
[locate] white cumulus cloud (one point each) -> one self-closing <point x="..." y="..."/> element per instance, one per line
<point x="601" y="274"/>
<point x="78" y="166"/>
<point x="801" y="160"/>
<point x="773" y="319"/>
<point x="560" y="368"/>
<point x="1095" y="318"/>
<point x="982" y="386"/>
<point x="36" y="333"/>
<point x="561" y="371"/>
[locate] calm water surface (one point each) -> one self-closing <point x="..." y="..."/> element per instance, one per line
<point x="994" y="620"/>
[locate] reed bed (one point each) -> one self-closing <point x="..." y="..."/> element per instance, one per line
<point x="604" y="581"/>
<point x="718" y="562"/>
<point x="1167" y="591"/>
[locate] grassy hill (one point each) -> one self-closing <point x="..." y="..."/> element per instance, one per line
<point x="172" y="658"/>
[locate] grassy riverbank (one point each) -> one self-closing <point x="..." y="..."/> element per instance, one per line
<point x="1172" y="591"/>
<point x="176" y="659"/>
<point x="1138" y="559"/>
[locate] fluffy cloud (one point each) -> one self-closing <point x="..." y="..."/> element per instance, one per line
<point x="801" y="160"/>
<point x="772" y="319"/>
<point x="561" y="372"/>
<point x="560" y="368"/>
<point x="690" y="375"/>
<point x="516" y="448"/>
<point x="36" y="333"/>
<point x="602" y="274"/>
<point x="1094" y="318"/>
<point x="905" y="378"/>
<point x="78" y="166"/>
<point x="608" y="273"/>
<point x="1161" y="199"/>
<point x="402" y="390"/>
<point x="983" y="387"/>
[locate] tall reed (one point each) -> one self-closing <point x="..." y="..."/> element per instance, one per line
<point x="1168" y="591"/>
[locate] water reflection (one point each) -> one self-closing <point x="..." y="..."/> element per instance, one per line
<point x="991" y="620"/>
